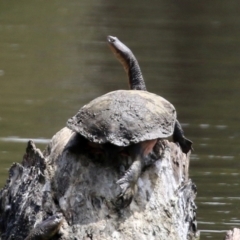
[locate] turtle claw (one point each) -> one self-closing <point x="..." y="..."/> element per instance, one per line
<point x="125" y="197"/>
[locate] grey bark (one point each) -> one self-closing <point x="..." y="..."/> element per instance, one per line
<point x="82" y="186"/>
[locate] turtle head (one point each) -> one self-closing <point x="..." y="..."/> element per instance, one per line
<point x="121" y="51"/>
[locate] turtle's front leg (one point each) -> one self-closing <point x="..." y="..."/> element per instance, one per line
<point x="129" y="180"/>
<point x="128" y="183"/>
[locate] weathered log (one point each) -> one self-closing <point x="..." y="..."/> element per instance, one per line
<point x="81" y="184"/>
<point x="233" y="234"/>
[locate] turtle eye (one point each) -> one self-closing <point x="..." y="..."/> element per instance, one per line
<point x="111" y="39"/>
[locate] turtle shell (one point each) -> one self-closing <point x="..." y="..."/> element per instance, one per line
<point x="125" y="117"/>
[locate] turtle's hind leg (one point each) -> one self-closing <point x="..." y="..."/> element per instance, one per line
<point x="178" y="136"/>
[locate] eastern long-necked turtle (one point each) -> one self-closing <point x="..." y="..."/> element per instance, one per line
<point x="136" y="82"/>
<point x="126" y="118"/>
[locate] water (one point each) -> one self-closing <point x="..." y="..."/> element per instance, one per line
<point x="54" y="59"/>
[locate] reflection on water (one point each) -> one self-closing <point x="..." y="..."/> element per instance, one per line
<point x="54" y="59"/>
<point x="24" y="140"/>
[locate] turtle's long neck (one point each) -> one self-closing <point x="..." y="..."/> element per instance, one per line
<point x="135" y="77"/>
<point x="129" y="62"/>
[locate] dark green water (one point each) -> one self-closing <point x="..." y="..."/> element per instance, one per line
<point x="54" y="59"/>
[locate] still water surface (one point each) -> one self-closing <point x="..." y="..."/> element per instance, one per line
<point x="54" y="59"/>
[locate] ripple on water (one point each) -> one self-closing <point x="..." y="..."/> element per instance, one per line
<point x="220" y="157"/>
<point x="221" y="127"/>
<point x="215" y="203"/>
<point x="24" y="140"/>
<point x="203" y="126"/>
<point x="1" y="72"/>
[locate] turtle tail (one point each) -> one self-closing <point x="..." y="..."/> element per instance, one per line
<point x="178" y="136"/>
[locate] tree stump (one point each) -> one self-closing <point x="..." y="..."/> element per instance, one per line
<point x="81" y="186"/>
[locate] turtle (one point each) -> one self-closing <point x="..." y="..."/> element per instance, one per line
<point x="46" y="229"/>
<point x="126" y="118"/>
<point x="136" y="82"/>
